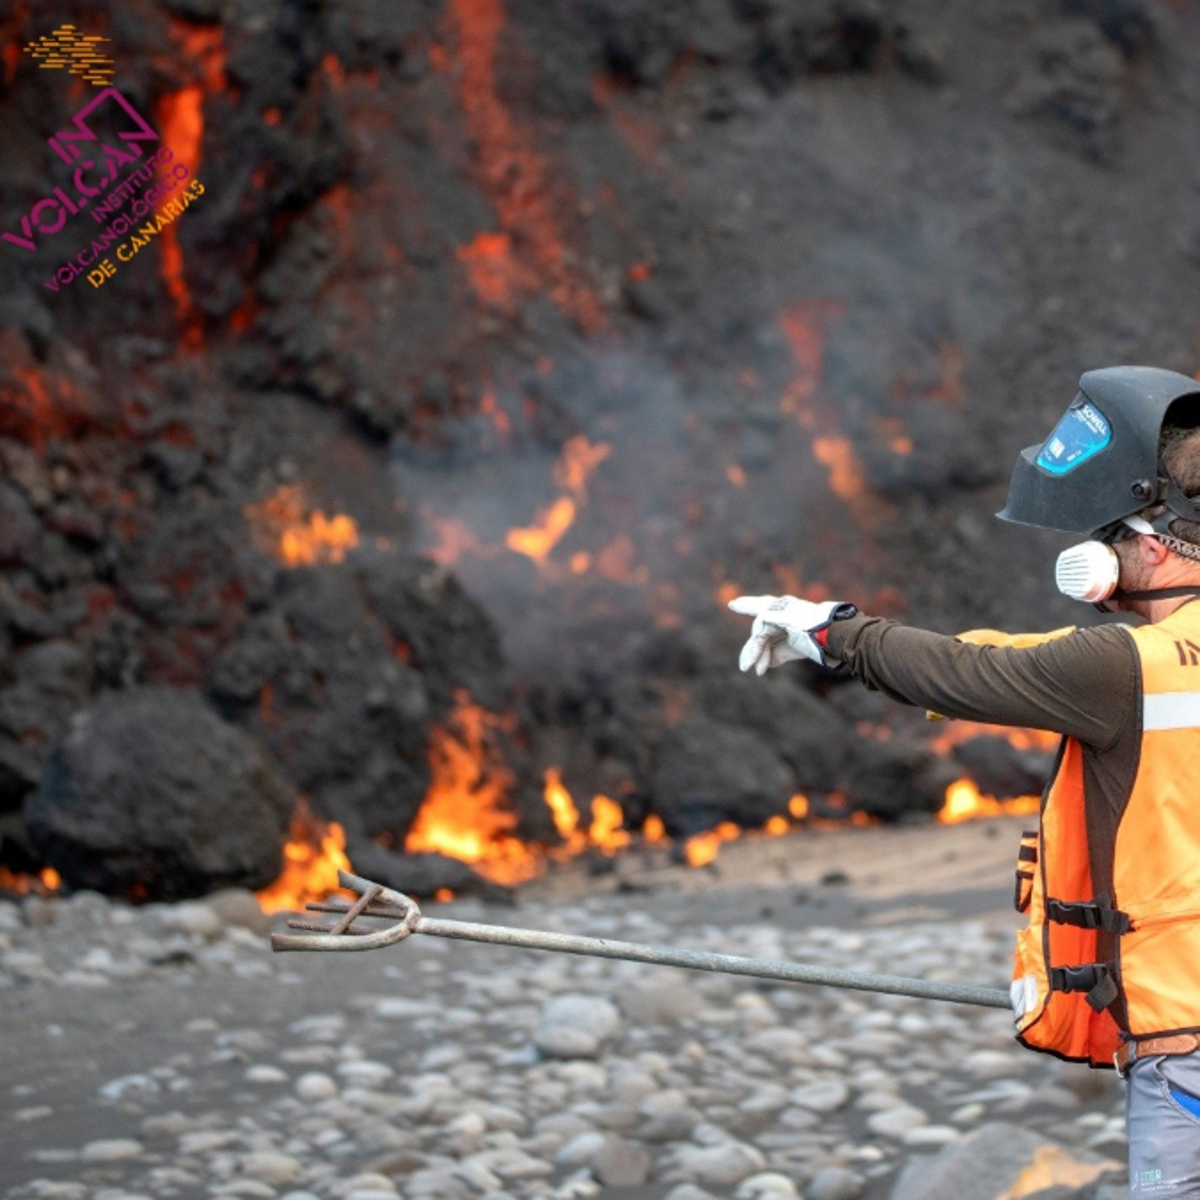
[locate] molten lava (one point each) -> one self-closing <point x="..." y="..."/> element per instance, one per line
<point x="524" y="192"/>
<point x="314" y="854"/>
<point x="45" y="883"/>
<point x="536" y="541"/>
<point x="181" y="119"/>
<point x="579" y="460"/>
<point x="606" y="832"/>
<point x="964" y="802"/>
<point x="466" y="813"/>
<point x="702" y="848"/>
<point x="299" y="539"/>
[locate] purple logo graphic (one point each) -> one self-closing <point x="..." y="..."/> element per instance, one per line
<point x="97" y="165"/>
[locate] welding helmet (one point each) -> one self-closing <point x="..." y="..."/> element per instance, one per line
<point x="1100" y="467"/>
<point x="1100" y="462"/>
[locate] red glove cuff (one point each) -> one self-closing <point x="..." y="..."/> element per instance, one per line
<point x="821" y="635"/>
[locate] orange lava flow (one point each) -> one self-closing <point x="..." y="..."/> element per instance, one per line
<point x="536" y="541"/>
<point x="846" y="478"/>
<point x="45" y="883"/>
<point x="181" y="119"/>
<point x="496" y="274"/>
<point x="513" y="173"/>
<point x="579" y="460"/>
<point x="701" y="848"/>
<point x="297" y="538"/>
<point x="27" y="410"/>
<point x="965" y="802"/>
<point x="805" y="324"/>
<point x="314" y="853"/>
<point x="957" y="732"/>
<point x="466" y="812"/>
<point x="606" y="832"/>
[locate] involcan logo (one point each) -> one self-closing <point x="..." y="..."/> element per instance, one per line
<point x="78" y="53"/>
<point x="121" y="176"/>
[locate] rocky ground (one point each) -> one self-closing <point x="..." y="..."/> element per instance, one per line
<point x="163" y="1051"/>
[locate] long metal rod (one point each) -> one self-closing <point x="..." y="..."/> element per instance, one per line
<point x="404" y="911"/>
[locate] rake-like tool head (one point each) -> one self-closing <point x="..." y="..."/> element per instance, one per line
<point x="374" y="900"/>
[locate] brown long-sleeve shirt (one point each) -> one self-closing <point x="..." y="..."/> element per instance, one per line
<point x="1086" y="685"/>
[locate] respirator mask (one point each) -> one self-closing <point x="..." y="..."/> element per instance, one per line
<point x="1091" y="570"/>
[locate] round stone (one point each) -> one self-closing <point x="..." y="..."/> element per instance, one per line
<point x="313" y="1085"/>
<point x="821" y="1096"/>
<point x="269" y="1166"/>
<point x="765" y="1186"/>
<point x="265" y="1073"/>
<point x="111" y="1150"/>
<point x="897" y="1121"/>
<point x="835" y="1183"/>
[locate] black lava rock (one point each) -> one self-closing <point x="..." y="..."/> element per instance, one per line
<point x="152" y="795"/>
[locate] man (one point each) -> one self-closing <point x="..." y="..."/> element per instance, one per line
<point x="1109" y="966"/>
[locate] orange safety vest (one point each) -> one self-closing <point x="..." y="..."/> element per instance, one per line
<point x="1112" y="948"/>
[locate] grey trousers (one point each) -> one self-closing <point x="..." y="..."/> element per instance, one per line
<point x="1164" y="1136"/>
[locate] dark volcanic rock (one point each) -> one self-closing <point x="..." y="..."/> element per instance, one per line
<point x="890" y="779"/>
<point x="151" y="794"/>
<point x="704" y="773"/>
<point x="1001" y="769"/>
<point x="420" y="875"/>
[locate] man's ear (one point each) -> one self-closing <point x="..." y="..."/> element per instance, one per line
<point x="1153" y="552"/>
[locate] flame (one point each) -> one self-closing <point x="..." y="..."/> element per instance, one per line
<point x="45" y="883"/>
<point x="607" y="829"/>
<point x="536" y="541"/>
<point x="964" y="802"/>
<point x="562" y="808"/>
<point x="846" y="478"/>
<point x="181" y="119"/>
<point x="798" y="806"/>
<point x="466" y="812"/>
<point x="521" y="187"/>
<point x="492" y="410"/>
<point x="702" y="848"/>
<point x="579" y="460"/>
<point x="653" y="829"/>
<point x="805" y="324"/>
<point x="495" y="273"/>
<point x="296" y="539"/>
<point x="314" y="853"/>
<point x="956" y="733"/>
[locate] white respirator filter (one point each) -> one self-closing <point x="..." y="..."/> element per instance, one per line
<point x="1088" y="572"/>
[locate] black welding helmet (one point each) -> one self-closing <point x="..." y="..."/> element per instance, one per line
<point x="1100" y="462"/>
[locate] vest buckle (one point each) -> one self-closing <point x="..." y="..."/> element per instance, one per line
<point x="1094" y="978"/>
<point x="1088" y="914"/>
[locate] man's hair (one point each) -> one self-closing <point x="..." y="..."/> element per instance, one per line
<point x="1179" y="452"/>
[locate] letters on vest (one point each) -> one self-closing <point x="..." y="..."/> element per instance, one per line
<point x="1113" y="941"/>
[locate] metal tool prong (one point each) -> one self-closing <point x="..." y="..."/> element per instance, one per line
<point x="374" y="900"/>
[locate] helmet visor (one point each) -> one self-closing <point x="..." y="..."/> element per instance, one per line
<point x="1081" y="433"/>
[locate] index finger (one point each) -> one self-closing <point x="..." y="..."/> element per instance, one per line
<point x="750" y="606"/>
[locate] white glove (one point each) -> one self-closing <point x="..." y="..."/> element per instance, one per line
<point x="783" y="630"/>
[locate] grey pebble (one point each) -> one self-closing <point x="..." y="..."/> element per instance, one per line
<point x="576" y="1026"/>
<point x="821" y="1096"/>
<point x="620" y="1163"/>
<point x="835" y="1183"/>
<point x="895" y="1122"/>
<point x="111" y="1150"/>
